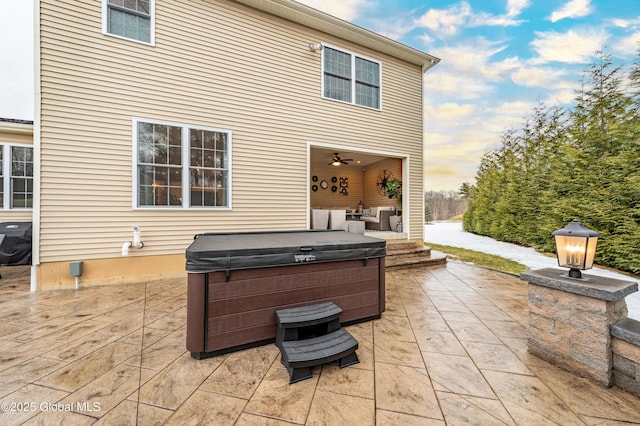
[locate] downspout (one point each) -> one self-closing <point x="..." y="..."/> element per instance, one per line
<point x="35" y="220"/>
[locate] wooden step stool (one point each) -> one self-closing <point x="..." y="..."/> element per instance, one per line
<point x="299" y="351"/>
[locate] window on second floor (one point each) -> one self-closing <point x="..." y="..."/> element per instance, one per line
<point x="131" y="19"/>
<point x="16" y="177"/>
<point x="182" y="166"/>
<point x="351" y="78"/>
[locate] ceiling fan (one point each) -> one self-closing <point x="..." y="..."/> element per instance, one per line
<point x="336" y="161"/>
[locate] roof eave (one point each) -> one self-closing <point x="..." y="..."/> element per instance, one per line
<point x="16" y="128"/>
<point x="313" y="18"/>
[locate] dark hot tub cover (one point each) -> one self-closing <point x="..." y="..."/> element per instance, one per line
<point x="213" y="252"/>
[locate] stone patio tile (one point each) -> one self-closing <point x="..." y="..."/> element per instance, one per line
<point x="588" y="399"/>
<point x="428" y="320"/>
<point x="488" y="356"/>
<point x="391" y="418"/>
<point x="131" y="413"/>
<point x="173" y="385"/>
<point x="241" y="372"/>
<point x="33" y="395"/>
<point x="398" y="352"/>
<point x="206" y="408"/>
<point x="60" y="418"/>
<point x="406" y="390"/>
<point x="529" y="400"/>
<point x="441" y="342"/>
<point x="276" y="398"/>
<point x="457" y="374"/>
<point x="468" y="410"/>
<point x="88" y="368"/>
<point x="393" y="328"/>
<point x="20" y="375"/>
<point x="347" y="381"/>
<point x="107" y="391"/>
<point x="472" y="332"/>
<point x="247" y="419"/>
<point x="329" y="408"/>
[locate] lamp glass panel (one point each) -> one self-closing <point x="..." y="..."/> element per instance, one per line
<point x="571" y="251"/>
<point x="591" y="252"/>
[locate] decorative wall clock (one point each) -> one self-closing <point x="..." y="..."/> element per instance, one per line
<point x="381" y="184"/>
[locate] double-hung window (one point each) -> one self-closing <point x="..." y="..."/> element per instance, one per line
<point x="182" y="166"/>
<point x="131" y="19"/>
<point x="16" y="177"/>
<point x="351" y="78"/>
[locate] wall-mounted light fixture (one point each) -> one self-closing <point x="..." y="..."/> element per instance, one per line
<point x="575" y="247"/>
<point x="315" y="47"/>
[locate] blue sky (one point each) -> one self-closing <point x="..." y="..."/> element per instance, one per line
<point x="499" y="58"/>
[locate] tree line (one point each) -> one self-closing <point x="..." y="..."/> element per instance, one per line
<point x="443" y="205"/>
<point x="578" y="162"/>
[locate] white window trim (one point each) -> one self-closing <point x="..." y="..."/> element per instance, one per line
<point x="6" y="181"/>
<point x="152" y="25"/>
<point x="353" y="77"/>
<point x="185" y="166"/>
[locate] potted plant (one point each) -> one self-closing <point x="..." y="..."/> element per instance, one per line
<point x="394" y="192"/>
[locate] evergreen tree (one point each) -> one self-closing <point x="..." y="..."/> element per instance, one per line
<point x="563" y="165"/>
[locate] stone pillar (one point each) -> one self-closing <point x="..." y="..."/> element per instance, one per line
<point x="569" y="320"/>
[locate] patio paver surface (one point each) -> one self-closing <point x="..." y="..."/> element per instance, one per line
<point x="450" y="349"/>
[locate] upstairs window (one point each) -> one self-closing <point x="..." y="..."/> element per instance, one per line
<point x="131" y="19"/>
<point x="350" y="78"/>
<point x="16" y="177"/>
<point x="182" y="166"/>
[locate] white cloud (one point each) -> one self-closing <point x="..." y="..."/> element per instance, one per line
<point x="456" y="85"/>
<point x="343" y="9"/>
<point x="574" y="47"/>
<point x="627" y="47"/>
<point x="541" y="77"/>
<point x="562" y="97"/>
<point x="625" y="23"/>
<point x="395" y="28"/>
<point x="448" y="21"/>
<point x="473" y="59"/>
<point x="572" y="9"/>
<point x="451" y="111"/>
<point x="515" y="7"/>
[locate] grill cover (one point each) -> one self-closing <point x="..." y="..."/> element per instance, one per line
<point x="233" y="251"/>
<point x="16" y="244"/>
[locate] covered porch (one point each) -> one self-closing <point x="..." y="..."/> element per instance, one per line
<point x="348" y="190"/>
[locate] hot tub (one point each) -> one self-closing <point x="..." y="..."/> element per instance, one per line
<point x="236" y="282"/>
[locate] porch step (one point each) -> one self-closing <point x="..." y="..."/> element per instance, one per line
<point x="407" y="254"/>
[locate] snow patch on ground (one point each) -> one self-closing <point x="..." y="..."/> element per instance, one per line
<point x="450" y="233"/>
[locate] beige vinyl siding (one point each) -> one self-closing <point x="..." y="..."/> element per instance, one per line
<point x="215" y="64"/>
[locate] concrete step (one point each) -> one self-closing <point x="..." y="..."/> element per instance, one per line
<point x="401" y="245"/>
<point x="406" y="254"/>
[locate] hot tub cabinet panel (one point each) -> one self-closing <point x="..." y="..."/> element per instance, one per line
<point x="229" y="310"/>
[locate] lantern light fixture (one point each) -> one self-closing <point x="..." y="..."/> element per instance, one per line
<point x="575" y="247"/>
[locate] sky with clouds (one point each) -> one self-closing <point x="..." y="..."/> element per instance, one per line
<point x="499" y="59"/>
